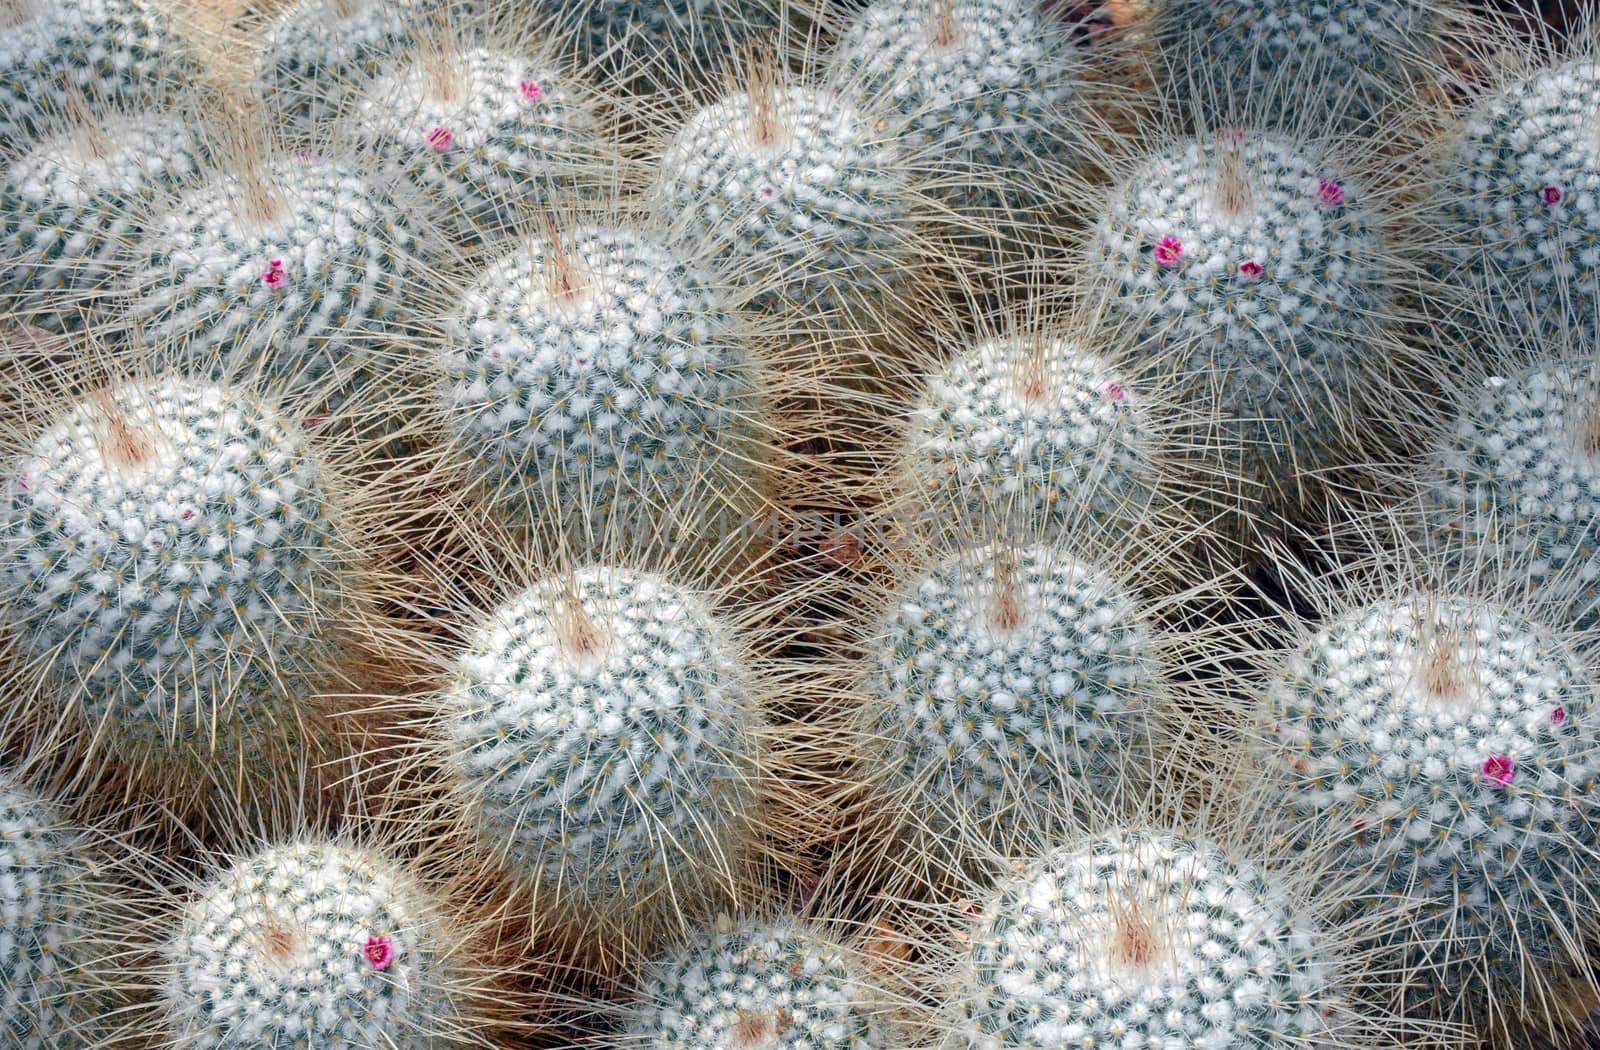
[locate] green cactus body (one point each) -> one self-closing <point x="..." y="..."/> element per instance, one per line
<point x="1252" y="279"/>
<point x="600" y="727"/>
<point x="1518" y="227"/>
<point x="985" y="91"/>
<point x="304" y="277"/>
<point x="604" y="384"/>
<point x="315" y="945"/>
<point x="72" y="208"/>
<point x="1519" y="477"/>
<point x="45" y="997"/>
<point x="1006" y="682"/>
<point x="493" y="134"/>
<point x="1031" y="439"/>
<point x="1143" y="938"/>
<point x="664" y="45"/>
<point x="1296" y="64"/>
<point x="1443" y="751"/>
<point x="776" y="984"/>
<point x="113" y="53"/>
<point x="805" y="201"/>
<point x="170" y="553"/>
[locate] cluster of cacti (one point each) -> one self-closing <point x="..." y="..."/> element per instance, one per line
<point x="782" y="523"/>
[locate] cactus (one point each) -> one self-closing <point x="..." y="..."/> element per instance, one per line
<point x="1148" y="938"/>
<point x="600" y="728"/>
<point x="110" y="52"/>
<point x="1299" y="66"/>
<point x="1516" y="479"/>
<point x="493" y="134"/>
<point x="1031" y="437"/>
<point x="300" y="268"/>
<point x="173" y="560"/>
<point x="72" y="207"/>
<point x="1253" y="278"/>
<point x="313" y="944"/>
<point x="779" y="984"/>
<point x="47" y="998"/>
<point x="1516" y="223"/>
<point x="1440" y="747"/>
<point x="1003" y="678"/>
<point x="602" y="385"/>
<point x="986" y="94"/>
<point x="806" y="201"/>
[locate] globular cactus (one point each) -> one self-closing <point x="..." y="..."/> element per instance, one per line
<point x="775" y="983"/>
<point x="1145" y="937"/>
<point x="987" y="95"/>
<point x="1300" y="66"/>
<point x="1254" y="280"/>
<point x="1007" y="685"/>
<point x="602" y="386"/>
<point x="494" y="134"/>
<point x="72" y="208"/>
<point x="1515" y="222"/>
<point x="601" y="732"/>
<point x="49" y="998"/>
<point x="806" y="200"/>
<point x="301" y="268"/>
<point x="110" y="52"/>
<point x="315" y="943"/>
<point x="174" y="565"/>
<point x="1031" y="436"/>
<point x="1440" y="748"/>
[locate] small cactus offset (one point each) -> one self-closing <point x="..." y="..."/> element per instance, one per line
<point x="1031" y="437"/>
<point x="301" y="268"/>
<point x="73" y="207"/>
<point x="1139" y="937"/>
<point x="807" y="201"/>
<point x="1008" y="685"/>
<point x="1516" y="222"/>
<point x="603" y="386"/>
<point x="173" y="560"/>
<point x="600" y="729"/>
<point x="314" y="944"/>
<point x="1441" y="748"/>
<point x="754" y="982"/>
<point x="494" y="135"/>
<point x="109" y="52"/>
<point x="1253" y="279"/>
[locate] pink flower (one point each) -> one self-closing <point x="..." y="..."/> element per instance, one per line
<point x="1116" y="392"/>
<point x="275" y="275"/>
<point x="1330" y="193"/>
<point x="1552" y="194"/>
<point x="1168" y="251"/>
<point x="1559" y="715"/>
<point x="531" y="91"/>
<point x="1249" y="270"/>
<point x="440" y="139"/>
<point x="24" y="483"/>
<point x="379" y="952"/>
<point x="1498" y="770"/>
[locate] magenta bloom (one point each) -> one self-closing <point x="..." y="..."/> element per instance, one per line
<point x="1559" y="715"/>
<point x="1552" y="194"/>
<point x="275" y="275"/>
<point x="1250" y="270"/>
<point x="1330" y="193"/>
<point x="1498" y="770"/>
<point x="440" y="139"/>
<point x="379" y="952"/>
<point x="1116" y="391"/>
<point x="1168" y="251"/>
<point x="531" y="91"/>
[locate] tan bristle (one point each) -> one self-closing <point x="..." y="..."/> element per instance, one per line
<point x="441" y="62"/>
<point x="279" y="940"/>
<point x="751" y="1028"/>
<point x="1233" y="191"/>
<point x="1443" y="677"/>
<point x="945" y="32"/>
<point x="578" y="632"/>
<point x="89" y="139"/>
<point x="1007" y="611"/>
<point x="16" y="12"/>
<point x="124" y="447"/>
<point x="563" y="281"/>
<point x="1133" y="937"/>
<point x="762" y="88"/>
<point x="343" y="9"/>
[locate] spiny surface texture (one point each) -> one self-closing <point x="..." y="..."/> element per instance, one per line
<point x="170" y="549"/>
<point x="600" y="726"/>
<point x="1138" y="938"/>
<point x="1449" y="747"/>
<point x="664" y="45"/>
<point x="1031" y="438"/>
<point x="603" y="383"/>
<point x="314" y="945"/>
<point x="1006" y="678"/>
<point x="806" y="200"/>
<point x="769" y="984"/>
<point x="1519" y="228"/>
